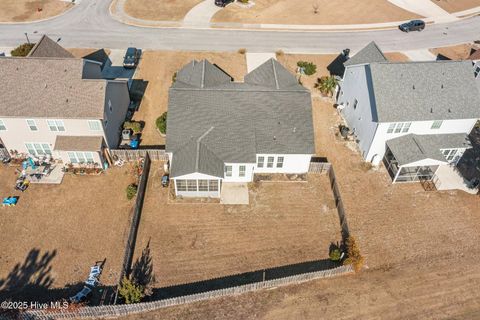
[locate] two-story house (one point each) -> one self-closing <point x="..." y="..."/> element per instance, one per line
<point x="415" y="116"/>
<point x="59" y="106"/>
<point x="221" y="131"/>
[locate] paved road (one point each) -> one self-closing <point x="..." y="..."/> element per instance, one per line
<point x="90" y="25"/>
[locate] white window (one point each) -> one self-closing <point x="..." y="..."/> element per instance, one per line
<point x="437" y="124"/>
<point x="242" y="170"/>
<point x="449" y="154"/>
<point x="2" y="126"/>
<point x="270" y="161"/>
<point x="32" y="125"/>
<point x="280" y="162"/>
<point x="56" y="125"/>
<point x="213" y="185"/>
<point x="181" y="185"/>
<point x="192" y="185"/>
<point x="80" y="157"/>
<point x="228" y="171"/>
<point x="94" y="125"/>
<point x="38" y="149"/>
<point x="202" y="185"/>
<point x="399" y="127"/>
<point x="260" y="162"/>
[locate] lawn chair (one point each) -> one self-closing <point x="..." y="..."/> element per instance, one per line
<point x="9" y="202"/>
<point x="81" y="296"/>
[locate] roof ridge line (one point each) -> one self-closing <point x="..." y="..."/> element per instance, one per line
<point x="275" y="74"/>
<point x="202" y="84"/>
<point x="199" y="140"/>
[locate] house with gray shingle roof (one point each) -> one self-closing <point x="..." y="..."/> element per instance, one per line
<point x="59" y="106"/>
<point x="221" y="131"/>
<point x="414" y="116"/>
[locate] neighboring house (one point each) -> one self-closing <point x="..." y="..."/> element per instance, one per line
<point x="220" y="131"/>
<point x="475" y="57"/>
<point x="414" y="115"/>
<point x="59" y="106"/>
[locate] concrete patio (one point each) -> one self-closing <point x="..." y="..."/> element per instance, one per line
<point x="448" y="178"/>
<point x="234" y="193"/>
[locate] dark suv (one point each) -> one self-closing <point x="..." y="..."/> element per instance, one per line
<point x="131" y="58"/>
<point x="414" y="25"/>
<point x="222" y="3"/>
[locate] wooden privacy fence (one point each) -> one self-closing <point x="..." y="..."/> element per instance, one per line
<point x="132" y="237"/>
<point x="137" y="154"/>
<point x="126" y="309"/>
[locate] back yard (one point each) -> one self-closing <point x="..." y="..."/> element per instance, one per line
<point x="328" y="12"/>
<point x="30" y="10"/>
<point x="57" y="232"/>
<point x="285" y="223"/>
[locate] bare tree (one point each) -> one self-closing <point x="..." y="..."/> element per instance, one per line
<point x="315" y="7"/>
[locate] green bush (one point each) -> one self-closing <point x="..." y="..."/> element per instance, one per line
<point x="243" y="1"/>
<point x="131" y="191"/>
<point x="174" y="78"/>
<point x="22" y="50"/>
<point x="161" y="123"/>
<point x="309" y="68"/>
<point x="135" y="126"/>
<point x="326" y="85"/>
<point x="335" y="254"/>
<point x="131" y="292"/>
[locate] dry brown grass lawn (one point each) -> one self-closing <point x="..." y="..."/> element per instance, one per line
<point x="457" y="5"/>
<point x="285" y="223"/>
<point x="159" y="10"/>
<point x="329" y="12"/>
<point x="421" y="250"/>
<point x="158" y="67"/>
<point x="458" y="52"/>
<point x="27" y="10"/>
<point x="396" y="57"/>
<point x="81" y="221"/>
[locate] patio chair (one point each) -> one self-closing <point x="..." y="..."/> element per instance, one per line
<point x="81" y="296"/>
<point x="9" y="202"/>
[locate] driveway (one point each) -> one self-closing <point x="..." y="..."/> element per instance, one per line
<point x="425" y="8"/>
<point x="201" y="14"/>
<point x="114" y="69"/>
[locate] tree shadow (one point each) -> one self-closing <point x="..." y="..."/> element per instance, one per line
<point x="142" y="270"/>
<point x="29" y="278"/>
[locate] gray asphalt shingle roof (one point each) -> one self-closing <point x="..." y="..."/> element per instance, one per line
<point x="49" y="87"/>
<point x="424" y="91"/>
<point x="47" y="48"/>
<point x="371" y="53"/>
<point x="242" y="119"/>
<point x="412" y="148"/>
<point x="78" y="143"/>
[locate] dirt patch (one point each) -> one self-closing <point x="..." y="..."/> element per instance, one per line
<point x="285" y="223"/>
<point x="329" y="12"/>
<point x="458" y="52"/>
<point x="81" y="221"/>
<point x="25" y="10"/>
<point x="456" y="5"/>
<point x="157" y="68"/>
<point x="159" y="10"/>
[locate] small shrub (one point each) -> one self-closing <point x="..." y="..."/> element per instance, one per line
<point x="243" y="1"/>
<point x="131" y="191"/>
<point x="161" y="123"/>
<point x="335" y="254"/>
<point x="354" y="257"/>
<point x="280" y="53"/>
<point x="309" y="68"/>
<point x="174" y="78"/>
<point x="242" y="51"/>
<point x="130" y="292"/>
<point x="22" y="50"/>
<point x="135" y="126"/>
<point x="326" y="85"/>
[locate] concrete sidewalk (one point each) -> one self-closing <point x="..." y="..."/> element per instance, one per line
<point x="420" y="55"/>
<point x="425" y="8"/>
<point x="254" y="60"/>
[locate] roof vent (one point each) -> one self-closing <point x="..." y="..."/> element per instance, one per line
<point x="67" y="100"/>
<point x="46" y="85"/>
<point x="431" y="110"/>
<point x="413" y="87"/>
<point x="442" y="85"/>
<point x="294" y="129"/>
<point x="449" y="110"/>
<point x="274" y="137"/>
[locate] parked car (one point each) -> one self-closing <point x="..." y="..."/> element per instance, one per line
<point x="414" y="25"/>
<point x="222" y="3"/>
<point x="131" y="58"/>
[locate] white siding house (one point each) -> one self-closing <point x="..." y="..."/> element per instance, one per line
<point x="220" y="131"/>
<point x="421" y="109"/>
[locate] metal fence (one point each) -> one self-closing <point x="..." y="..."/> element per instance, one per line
<point x="132" y="237"/>
<point x="124" y="310"/>
<point x="137" y="154"/>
